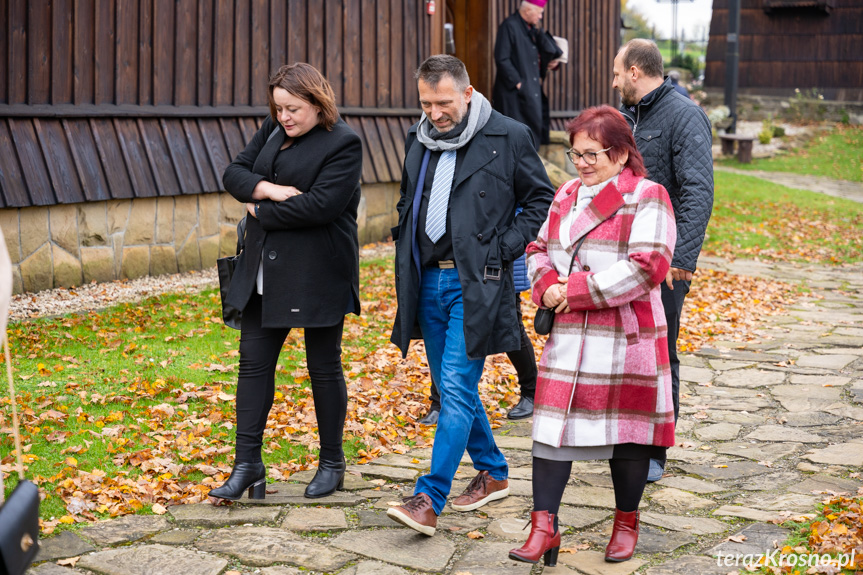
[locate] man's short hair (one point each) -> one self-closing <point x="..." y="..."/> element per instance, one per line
<point x="644" y="55"/>
<point x="434" y="68"/>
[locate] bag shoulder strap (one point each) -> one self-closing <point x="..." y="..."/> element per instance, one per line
<point x="241" y="234"/>
<point x="575" y="253"/>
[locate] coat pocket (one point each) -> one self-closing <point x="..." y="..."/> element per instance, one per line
<point x="649" y="143"/>
<point x="629" y="322"/>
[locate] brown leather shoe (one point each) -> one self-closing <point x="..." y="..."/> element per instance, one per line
<point x="481" y="490"/>
<point x="417" y="513"/>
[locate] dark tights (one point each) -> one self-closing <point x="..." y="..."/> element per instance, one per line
<point x="259" y="354"/>
<point x="550" y="477"/>
<point x="629" y="477"/>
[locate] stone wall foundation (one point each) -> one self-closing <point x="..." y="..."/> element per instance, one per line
<point x="67" y="268"/>
<point x="37" y="271"/>
<point x="97" y="264"/>
<point x="67" y="245"/>
<point x="163" y="260"/>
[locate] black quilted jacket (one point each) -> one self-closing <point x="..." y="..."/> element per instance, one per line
<point x="673" y="134"/>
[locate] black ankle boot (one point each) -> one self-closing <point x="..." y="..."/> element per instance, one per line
<point x="330" y="476"/>
<point x="244" y="475"/>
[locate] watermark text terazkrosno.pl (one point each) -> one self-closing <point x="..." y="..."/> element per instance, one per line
<point x="776" y="559"/>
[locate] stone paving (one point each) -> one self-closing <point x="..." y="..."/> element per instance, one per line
<point x="766" y="429"/>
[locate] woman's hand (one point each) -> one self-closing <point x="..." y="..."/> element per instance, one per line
<point x="555" y="296"/>
<point x="278" y="193"/>
<point x="268" y="191"/>
<point x="250" y="207"/>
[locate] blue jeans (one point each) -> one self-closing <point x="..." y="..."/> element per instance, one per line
<point x="463" y="423"/>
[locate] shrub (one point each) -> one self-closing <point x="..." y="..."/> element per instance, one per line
<point x="718" y="114"/>
<point x="686" y="61"/>
<point x="806" y="106"/>
<point x="767" y="130"/>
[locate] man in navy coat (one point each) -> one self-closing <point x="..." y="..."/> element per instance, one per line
<point x="523" y="53"/>
<point x="466" y="168"/>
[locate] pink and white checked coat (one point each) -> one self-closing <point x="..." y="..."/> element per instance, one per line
<point x="604" y="376"/>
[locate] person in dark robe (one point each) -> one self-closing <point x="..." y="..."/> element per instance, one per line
<point x="523" y="53"/>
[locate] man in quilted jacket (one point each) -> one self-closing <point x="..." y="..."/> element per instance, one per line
<point x="673" y="134"/>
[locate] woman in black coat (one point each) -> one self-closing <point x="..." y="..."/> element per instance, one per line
<point x="299" y="178"/>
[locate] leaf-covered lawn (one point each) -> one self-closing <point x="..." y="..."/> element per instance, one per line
<point x="753" y="218"/>
<point x="831" y="543"/>
<point x="837" y="154"/>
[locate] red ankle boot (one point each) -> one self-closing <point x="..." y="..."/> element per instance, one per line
<point x="623" y="537"/>
<point x="543" y="541"/>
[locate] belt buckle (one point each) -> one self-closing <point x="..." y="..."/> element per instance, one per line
<point x="491" y="273"/>
<point x="446" y="264"/>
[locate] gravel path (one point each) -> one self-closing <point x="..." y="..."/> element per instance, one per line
<point x="94" y="295"/>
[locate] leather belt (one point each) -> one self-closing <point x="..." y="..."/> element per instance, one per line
<point x="444" y="264"/>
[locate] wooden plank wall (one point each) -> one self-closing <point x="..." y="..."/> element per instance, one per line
<point x="790" y="49"/>
<point x="123" y="58"/>
<point x="593" y="30"/>
<point x="207" y="52"/>
<point x="48" y="161"/>
<point x="118" y="56"/>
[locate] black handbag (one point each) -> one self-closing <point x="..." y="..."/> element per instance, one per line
<point x="19" y="513"/>
<point x="231" y="315"/>
<point x="544" y="318"/>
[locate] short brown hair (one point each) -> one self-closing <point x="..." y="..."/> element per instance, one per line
<point x="644" y="55"/>
<point x="434" y="68"/>
<point x="306" y="83"/>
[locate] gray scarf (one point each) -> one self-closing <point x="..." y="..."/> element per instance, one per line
<point x="478" y="114"/>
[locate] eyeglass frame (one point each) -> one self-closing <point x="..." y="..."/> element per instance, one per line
<point x="570" y="153"/>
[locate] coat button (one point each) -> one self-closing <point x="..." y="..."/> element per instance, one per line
<point x="482" y="194"/>
<point x="587" y="268"/>
<point x="273" y="255"/>
<point x="479" y="236"/>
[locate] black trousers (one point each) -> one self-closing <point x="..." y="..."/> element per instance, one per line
<point x="672" y="302"/>
<point x="259" y="354"/>
<point x="523" y="360"/>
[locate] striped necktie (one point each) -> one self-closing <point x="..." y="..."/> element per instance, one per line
<point x="439" y="199"/>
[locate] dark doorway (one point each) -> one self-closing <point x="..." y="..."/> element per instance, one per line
<point x="474" y="40"/>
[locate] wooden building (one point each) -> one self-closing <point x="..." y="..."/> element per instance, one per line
<point x="792" y="44"/>
<point x="118" y="117"/>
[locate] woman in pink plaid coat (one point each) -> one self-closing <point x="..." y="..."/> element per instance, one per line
<point x="604" y="387"/>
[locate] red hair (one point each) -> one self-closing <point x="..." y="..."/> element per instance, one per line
<point x="608" y="127"/>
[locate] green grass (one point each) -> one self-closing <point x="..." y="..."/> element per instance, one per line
<point x="756" y="218"/>
<point x="835" y="154"/>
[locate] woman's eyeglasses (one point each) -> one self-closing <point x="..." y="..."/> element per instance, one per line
<point x="589" y="157"/>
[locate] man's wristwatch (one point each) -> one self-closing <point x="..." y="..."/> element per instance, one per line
<point x="257" y="207"/>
